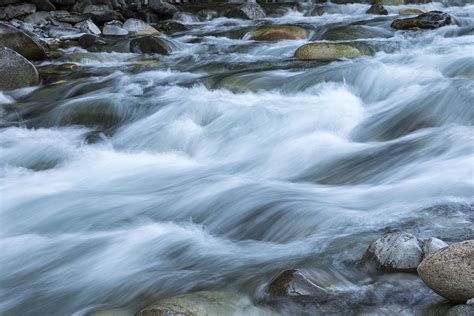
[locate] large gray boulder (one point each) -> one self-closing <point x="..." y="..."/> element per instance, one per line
<point x="461" y="310"/>
<point x="450" y="271"/>
<point x="18" y="41"/>
<point x="15" y="71"/>
<point x="14" y="11"/>
<point x="247" y="11"/>
<point x="395" y="252"/>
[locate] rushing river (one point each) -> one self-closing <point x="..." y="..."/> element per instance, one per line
<point x="214" y="168"/>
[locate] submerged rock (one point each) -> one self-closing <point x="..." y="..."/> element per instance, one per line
<point x="15" y="71"/>
<point x="279" y="32"/>
<point x="395" y="252"/>
<point x="138" y="27"/>
<point x="377" y="8"/>
<point x="149" y="45"/>
<point x="18" y="41"/>
<point x="247" y="11"/>
<point x="293" y="283"/>
<point x="449" y="272"/>
<point x="330" y="51"/>
<point x="411" y="11"/>
<point x="431" y="245"/>
<point x="428" y="20"/>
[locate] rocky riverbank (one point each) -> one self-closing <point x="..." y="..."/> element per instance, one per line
<point x="236" y="159"/>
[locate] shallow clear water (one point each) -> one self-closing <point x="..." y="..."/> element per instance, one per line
<point x="228" y="161"/>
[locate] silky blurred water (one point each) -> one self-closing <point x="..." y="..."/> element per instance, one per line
<point x="227" y="161"/>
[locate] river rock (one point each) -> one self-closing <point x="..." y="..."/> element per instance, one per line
<point x="103" y="15"/>
<point x="20" y="42"/>
<point x="89" y="40"/>
<point x="247" y="11"/>
<point x="40" y="17"/>
<point x="377" y="8"/>
<point x="163" y="10"/>
<point x="293" y="283"/>
<point x="15" y="71"/>
<point x="170" y="27"/>
<point x="450" y="271"/>
<point x="411" y="11"/>
<point x="88" y="27"/>
<point x="207" y="14"/>
<point x="329" y="51"/>
<point x="395" y="252"/>
<point x="349" y="33"/>
<point x="138" y="27"/>
<point x="204" y="303"/>
<point x="43" y="5"/>
<point x="14" y="11"/>
<point x="149" y="45"/>
<point x="114" y="28"/>
<point x="279" y="32"/>
<point x="461" y="310"/>
<point x="428" y="20"/>
<point x="431" y="245"/>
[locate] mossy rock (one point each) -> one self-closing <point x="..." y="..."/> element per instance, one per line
<point x="410" y="11"/>
<point x="330" y="51"/>
<point x="278" y="33"/>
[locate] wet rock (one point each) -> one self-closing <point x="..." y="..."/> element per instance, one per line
<point x="428" y="20"/>
<point x="63" y="31"/>
<point x="411" y="11"/>
<point x="395" y="252"/>
<point x="203" y="303"/>
<point x="20" y="42"/>
<point x="330" y="51"/>
<point x="85" y="6"/>
<point x="89" y="40"/>
<point x="170" y="27"/>
<point x="114" y="28"/>
<point x="431" y="245"/>
<point x="63" y="3"/>
<point x="449" y="272"/>
<point x="461" y="310"/>
<point x="279" y="32"/>
<point x="293" y="283"/>
<point x="138" y="27"/>
<point x="207" y="14"/>
<point x="88" y="27"/>
<point x="377" y="8"/>
<point x="321" y="9"/>
<point x="148" y="16"/>
<point x="247" y="11"/>
<point x="14" y="11"/>
<point x="102" y="16"/>
<point x="163" y="10"/>
<point x="15" y="71"/>
<point x="149" y="45"/>
<point x="470" y="301"/>
<point x="43" y="5"/>
<point x="66" y="17"/>
<point x="40" y="17"/>
<point x="347" y="33"/>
